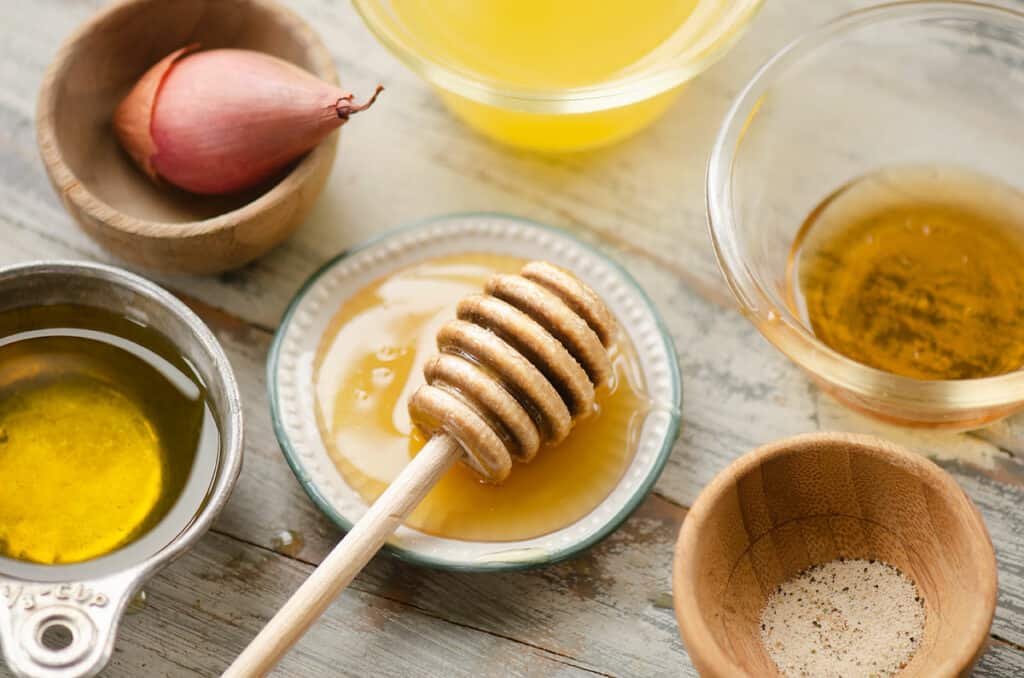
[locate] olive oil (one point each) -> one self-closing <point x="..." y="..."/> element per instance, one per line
<point x="371" y="360"/>
<point x="918" y="271"/>
<point x="103" y="428"/>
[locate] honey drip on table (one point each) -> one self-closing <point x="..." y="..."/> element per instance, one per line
<point x="918" y="271"/>
<point x="370" y="362"/>
<point x="100" y="425"/>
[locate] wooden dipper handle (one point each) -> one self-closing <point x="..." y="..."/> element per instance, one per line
<point x="345" y="561"/>
<point x="517" y="367"/>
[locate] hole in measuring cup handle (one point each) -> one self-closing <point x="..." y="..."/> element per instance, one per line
<point x="55" y="634"/>
<point x="57" y="621"/>
<point x="64" y="629"/>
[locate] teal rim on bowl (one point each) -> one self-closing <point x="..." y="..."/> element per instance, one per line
<point x="292" y="355"/>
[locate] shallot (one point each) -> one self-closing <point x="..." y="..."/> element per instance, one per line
<point x="224" y="120"/>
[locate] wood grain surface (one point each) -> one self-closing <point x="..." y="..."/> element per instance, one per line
<point x="608" y="612"/>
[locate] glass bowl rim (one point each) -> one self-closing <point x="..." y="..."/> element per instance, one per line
<point x="775" y="324"/>
<point x="608" y="94"/>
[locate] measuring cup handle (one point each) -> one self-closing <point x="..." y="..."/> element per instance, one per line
<point x="61" y="629"/>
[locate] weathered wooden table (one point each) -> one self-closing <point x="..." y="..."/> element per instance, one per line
<point x="606" y="613"/>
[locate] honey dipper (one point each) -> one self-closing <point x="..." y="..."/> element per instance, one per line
<point x="516" y="368"/>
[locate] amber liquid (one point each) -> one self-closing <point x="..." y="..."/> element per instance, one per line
<point x="916" y="271"/>
<point x="371" y="360"/>
<point x="101" y="424"/>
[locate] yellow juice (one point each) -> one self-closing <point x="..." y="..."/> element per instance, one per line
<point x="545" y="45"/>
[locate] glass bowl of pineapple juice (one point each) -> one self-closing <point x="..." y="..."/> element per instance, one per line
<point x="558" y="76"/>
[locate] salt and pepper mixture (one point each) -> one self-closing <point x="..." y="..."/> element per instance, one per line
<point x="516" y="368"/>
<point x="844" y="619"/>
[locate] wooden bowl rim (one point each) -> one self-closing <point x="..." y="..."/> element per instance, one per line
<point x="77" y="193"/>
<point x="701" y="644"/>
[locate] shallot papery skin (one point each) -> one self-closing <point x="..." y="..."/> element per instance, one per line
<point x="225" y="120"/>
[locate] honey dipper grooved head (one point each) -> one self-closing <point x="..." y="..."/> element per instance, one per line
<point x="557" y="318"/>
<point x="536" y="344"/>
<point x="437" y="411"/>
<point x="517" y="366"/>
<point x="495" y="404"/>
<point x="516" y="373"/>
<point x="577" y="296"/>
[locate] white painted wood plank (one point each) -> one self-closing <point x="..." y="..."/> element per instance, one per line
<point x="607" y="610"/>
<point x="1000" y="505"/>
<point x="646" y="194"/>
<point x="745" y="397"/>
<point x="738" y="393"/>
<point x="1001" y="661"/>
<point x="203" y="608"/>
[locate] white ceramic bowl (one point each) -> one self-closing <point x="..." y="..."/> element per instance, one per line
<point x="290" y="380"/>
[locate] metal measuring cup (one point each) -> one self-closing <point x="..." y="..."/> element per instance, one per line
<point x="85" y="601"/>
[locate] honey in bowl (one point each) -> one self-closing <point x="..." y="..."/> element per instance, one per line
<point x="369" y="363"/>
<point x="917" y="271"/>
<point x="104" y="428"/>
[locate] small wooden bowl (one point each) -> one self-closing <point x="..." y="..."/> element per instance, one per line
<point x="811" y="499"/>
<point x="161" y="227"/>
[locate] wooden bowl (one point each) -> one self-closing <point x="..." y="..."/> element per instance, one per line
<point x="811" y="499"/>
<point x="161" y="227"/>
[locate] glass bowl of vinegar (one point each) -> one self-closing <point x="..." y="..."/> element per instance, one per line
<point x="558" y="76"/>
<point x="866" y="206"/>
